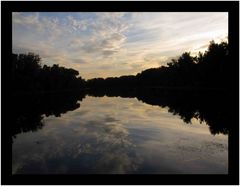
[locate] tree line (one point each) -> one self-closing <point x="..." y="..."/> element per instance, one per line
<point x="211" y="69"/>
<point x="29" y="75"/>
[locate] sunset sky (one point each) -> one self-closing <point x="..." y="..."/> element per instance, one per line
<point x="115" y="44"/>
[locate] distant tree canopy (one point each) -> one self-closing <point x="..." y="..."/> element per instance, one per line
<point x="209" y="69"/>
<point x="29" y="75"/>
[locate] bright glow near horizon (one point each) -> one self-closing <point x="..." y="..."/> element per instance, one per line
<point x="115" y="44"/>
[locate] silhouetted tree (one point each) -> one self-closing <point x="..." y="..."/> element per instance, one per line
<point x="210" y="69"/>
<point x="214" y="66"/>
<point x="29" y="75"/>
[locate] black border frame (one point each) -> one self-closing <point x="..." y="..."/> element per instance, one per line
<point x="232" y="7"/>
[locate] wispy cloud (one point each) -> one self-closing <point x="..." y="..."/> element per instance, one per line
<point x="117" y="43"/>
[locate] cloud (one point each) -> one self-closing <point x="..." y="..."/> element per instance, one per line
<point x="115" y="38"/>
<point x="75" y="43"/>
<point x="78" y="61"/>
<point x="110" y="119"/>
<point x="75" y="24"/>
<point x="114" y="41"/>
<point x="19" y="18"/>
<point x="106" y="46"/>
<point x="35" y="23"/>
<point x="105" y="67"/>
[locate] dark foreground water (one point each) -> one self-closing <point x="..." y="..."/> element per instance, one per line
<point x="108" y="135"/>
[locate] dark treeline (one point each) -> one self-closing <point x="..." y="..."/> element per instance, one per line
<point x="29" y="110"/>
<point x="210" y="69"/>
<point x="29" y="75"/>
<point x="211" y="107"/>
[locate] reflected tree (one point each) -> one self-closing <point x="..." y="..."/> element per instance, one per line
<point x="29" y="110"/>
<point x="211" y="107"/>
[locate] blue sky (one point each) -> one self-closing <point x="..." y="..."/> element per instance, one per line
<point x="102" y="44"/>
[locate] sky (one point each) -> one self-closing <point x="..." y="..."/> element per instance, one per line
<point x="104" y="44"/>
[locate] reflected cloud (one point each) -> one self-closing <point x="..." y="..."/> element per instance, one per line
<point x="106" y="139"/>
<point x="123" y="132"/>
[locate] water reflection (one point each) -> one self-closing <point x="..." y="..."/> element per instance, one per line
<point x="120" y="131"/>
<point x="29" y="110"/>
<point x="210" y="107"/>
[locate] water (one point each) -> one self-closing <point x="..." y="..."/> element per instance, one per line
<point x="115" y="135"/>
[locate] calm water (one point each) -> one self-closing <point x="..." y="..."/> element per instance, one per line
<point x="115" y="135"/>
